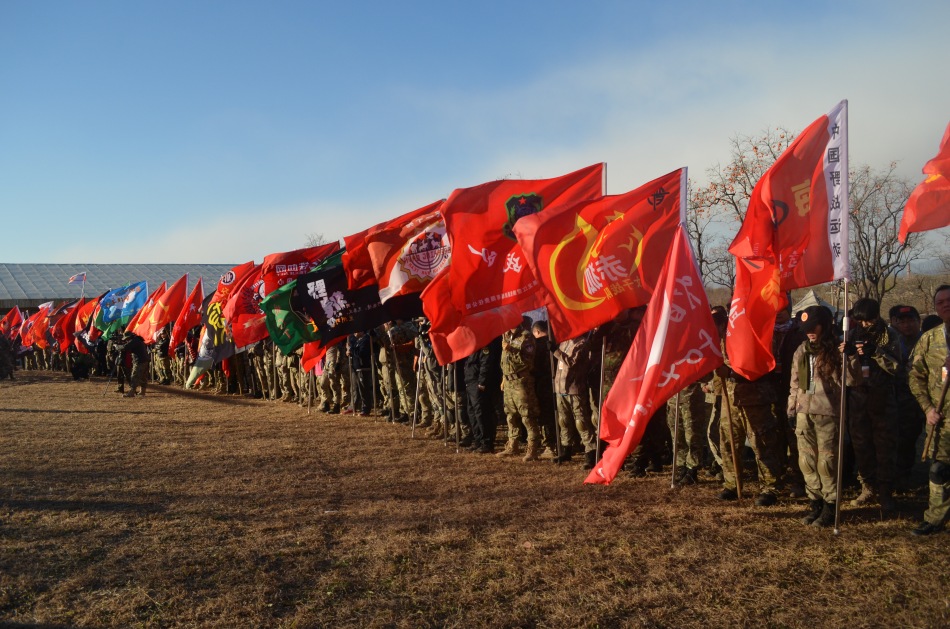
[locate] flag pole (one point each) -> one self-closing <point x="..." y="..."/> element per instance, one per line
<point x="600" y="395"/>
<point x="732" y="440"/>
<point x="842" y="408"/>
<point x="372" y="375"/>
<point x="415" y="404"/>
<point x="676" y="427"/>
<point x="557" y="424"/>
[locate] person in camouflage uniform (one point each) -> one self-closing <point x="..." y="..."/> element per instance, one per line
<point x="520" y="399"/>
<point x="928" y="378"/>
<point x="430" y="370"/>
<point x="747" y="413"/>
<point x="573" y="405"/>
<point x="690" y="436"/>
<point x="402" y="335"/>
<point x="872" y="404"/>
<point x="336" y="381"/>
<point x="814" y="401"/>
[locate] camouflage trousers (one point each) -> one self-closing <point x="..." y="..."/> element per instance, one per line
<point x="939" y="503"/>
<point x="522" y="409"/>
<point x="757" y="424"/>
<point x="817" y="437"/>
<point x="689" y="440"/>
<point x="574" y="419"/>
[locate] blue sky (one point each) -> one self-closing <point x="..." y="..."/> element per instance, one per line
<point x="211" y="132"/>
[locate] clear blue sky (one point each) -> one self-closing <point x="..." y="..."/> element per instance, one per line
<point x="220" y="131"/>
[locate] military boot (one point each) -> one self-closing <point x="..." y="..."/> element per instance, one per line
<point x="512" y="448"/>
<point x="815" y="508"/>
<point x="866" y="497"/>
<point x="533" y="453"/>
<point x="590" y="459"/>
<point x="827" y="515"/>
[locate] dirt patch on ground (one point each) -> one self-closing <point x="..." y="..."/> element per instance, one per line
<point x="190" y="509"/>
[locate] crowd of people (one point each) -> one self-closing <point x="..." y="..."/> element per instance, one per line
<point x="781" y="430"/>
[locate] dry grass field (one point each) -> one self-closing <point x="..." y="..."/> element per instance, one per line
<point x="195" y="510"/>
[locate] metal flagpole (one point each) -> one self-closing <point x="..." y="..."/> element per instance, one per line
<point x="372" y="374"/>
<point x="676" y="429"/>
<point x="557" y="424"/>
<point x="415" y="404"/>
<point x="732" y="440"/>
<point x="600" y="397"/>
<point x="842" y="409"/>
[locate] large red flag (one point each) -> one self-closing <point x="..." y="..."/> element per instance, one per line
<point x="597" y="259"/>
<point x="795" y="234"/>
<point x="356" y="260"/>
<point x="407" y="257"/>
<point x="280" y="268"/>
<point x="488" y="285"/>
<point x="189" y="317"/>
<point x="26" y="329"/>
<point x="62" y="329"/>
<point x="677" y="344"/>
<point x="929" y="204"/>
<point x="164" y="311"/>
<point x="11" y="322"/>
<point x="43" y="323"/>
<point x="82" y="324"/>
<point x="146" y="310"/>
<point x="243" y="310"/>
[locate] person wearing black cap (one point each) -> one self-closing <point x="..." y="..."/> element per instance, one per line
<point x="814" y="403"/>
<point x="872" y="404"/>
<point x="910" y="417"/>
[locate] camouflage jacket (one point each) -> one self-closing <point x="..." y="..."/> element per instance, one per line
<point x="517" y="353"/>
<point x="926" y="369"/>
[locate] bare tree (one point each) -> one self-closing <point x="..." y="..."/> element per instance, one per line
<point x="716" y="210"/>
<point x="314" y="239"/>
<point x="877" y="257"/>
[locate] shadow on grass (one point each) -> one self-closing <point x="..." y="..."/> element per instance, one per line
<point x="207" y="397"/>
<point x="78" y="412"/>
<point x="82" y="505"/>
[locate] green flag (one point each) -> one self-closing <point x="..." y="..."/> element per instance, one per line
<point x="286" y="328"/>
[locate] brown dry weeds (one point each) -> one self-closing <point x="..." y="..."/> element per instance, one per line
<point x="199" y="510"/>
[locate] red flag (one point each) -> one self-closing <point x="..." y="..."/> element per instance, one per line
<point x="11" y="322"/>
<point x="597" y="259"/>
<point x="82" y="323"/>
<point x="795" y="234"/>
<point x="356" y="260"/>
<point x="929" y="204"/>
<point x="676" y="345"/>
<point x="145" y="311"/>
<point x="26" y="330"/>
<point x="230" y="280"/>
<point x="407" y="257"/>
<point x="43" y="324"/>
<point x="164" y="311"/>
<point x="488" y="285"/>
<point x="189" y="317"/>
<point x="280" y="268"/>
<point x="62" y="330"/>
<point x="243" y="310"/>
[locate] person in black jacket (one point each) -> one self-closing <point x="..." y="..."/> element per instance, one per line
<point x="483" y="388"/>
<point x="134" y="346"/>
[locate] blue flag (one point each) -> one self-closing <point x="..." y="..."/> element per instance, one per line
<point x="123" y="302"/>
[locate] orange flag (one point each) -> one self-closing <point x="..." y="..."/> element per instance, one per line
<point x="929" y="204"/>
<point x="164" y="311"/>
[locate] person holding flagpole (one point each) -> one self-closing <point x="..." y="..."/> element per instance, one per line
<point x="929" y="380"/>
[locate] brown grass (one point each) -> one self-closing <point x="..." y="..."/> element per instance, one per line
<point x="199" y="510"/>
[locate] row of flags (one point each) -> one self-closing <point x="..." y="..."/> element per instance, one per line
<point x="475" y="261"/>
